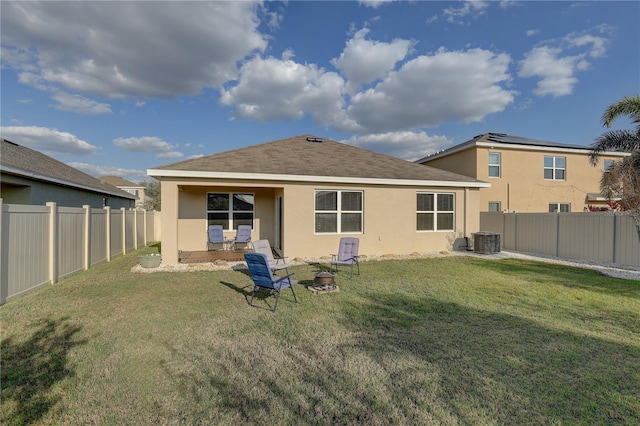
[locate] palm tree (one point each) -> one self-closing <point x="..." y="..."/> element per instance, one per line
<point x="622" y="179"/>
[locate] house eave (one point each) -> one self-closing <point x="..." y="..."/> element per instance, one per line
<point x="48" y="179"/>
<point x="159" y="173"/>
<point x="522" y="147"/>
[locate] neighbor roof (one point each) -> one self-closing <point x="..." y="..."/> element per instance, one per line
<point x="118" y="181"/>
<point x="492" y="139"/>
<point x="310" y="158"/>
<point x="25" y="162"/>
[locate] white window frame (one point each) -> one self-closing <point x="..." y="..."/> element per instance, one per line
<point x="338" y="212"/>
<point x="554" y="169"/>
<point x="498" y="165"/>
<point x="498" y="203"/>
<point x="558" y="208"/>
<point x="435" y="211"/>
<point x="230" y="211"/>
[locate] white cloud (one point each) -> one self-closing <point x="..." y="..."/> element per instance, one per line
<point x="409" y="146"/>
<point x="170" y="154"/>
<point x="374" y="3"/>
<point x="474" y="9"/>
<point x="363" y="61"/>
<point x="95" y="170"/>
<point x="80" y="104"/>
<point x="556" y="67"/>
<point x="530" y="33"/>
<point x="598" y="44"/>
<point x="129" y="49"/>
<point x="460" y="86"/>
<point x="273" y="89"/>
<point x="144" y="144"/>
<point x="47" y="140"/>
<point x="556" y="72"/>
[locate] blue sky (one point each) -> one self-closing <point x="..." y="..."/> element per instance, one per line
<point x="116" y="88"/>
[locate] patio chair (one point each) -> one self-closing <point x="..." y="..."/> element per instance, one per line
<point x="276" y="263"/>
<point x="263" y="278"/>
<point x="215" y="236"/>
<point x="347" y="255"/>
<point x="243" y="236"/>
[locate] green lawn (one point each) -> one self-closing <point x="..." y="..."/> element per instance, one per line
<point x="451" y="340"/>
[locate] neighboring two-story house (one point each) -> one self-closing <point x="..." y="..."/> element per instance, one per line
<point x="127" y="186"/>
<point x="527" y="175"/>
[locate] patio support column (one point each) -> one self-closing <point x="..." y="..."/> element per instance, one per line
<point x="170" y="196"/>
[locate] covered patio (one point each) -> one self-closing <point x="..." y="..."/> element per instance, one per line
<point x="211" y="256"/>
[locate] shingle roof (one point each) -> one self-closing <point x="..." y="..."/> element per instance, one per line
<point x="118" y="181"/>
<point x="503" y="138"/>
<point x="300" y="156"/>
<point x="26" y="162"/>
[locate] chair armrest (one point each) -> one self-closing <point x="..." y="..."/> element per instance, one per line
<point x="281" y="279"/>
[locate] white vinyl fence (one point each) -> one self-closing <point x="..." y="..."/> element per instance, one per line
<point x="42" y="244"/>
<point x="598" y="237"/>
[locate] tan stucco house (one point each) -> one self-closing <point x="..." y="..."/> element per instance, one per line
<point x="305" y="192"/>
<point x="527" y="175"/>
<point x="132" y="188"/>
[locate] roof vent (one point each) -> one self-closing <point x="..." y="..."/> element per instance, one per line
<point x="316" y="140"/>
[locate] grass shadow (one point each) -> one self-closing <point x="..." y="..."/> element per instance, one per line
<point x="410" y="360"/>
<point x="31" y="368"/>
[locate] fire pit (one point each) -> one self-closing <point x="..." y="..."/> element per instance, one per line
<point x="323" y="282"/>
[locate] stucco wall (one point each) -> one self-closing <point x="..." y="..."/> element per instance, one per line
<point x="40" y="193"/>
<point x="389" y="218"/>
<point x="521" y="186"/>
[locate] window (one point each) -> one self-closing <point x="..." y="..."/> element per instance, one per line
<point x="338" y="212"/>
<point x="554" y="168"/>
<point x="494" y="206"/>
<point x="230" y="210"/>
<point x="494" y="164"/>
<point x="559" y="207"/>
<point x="435" y="212"/>
<point x="607" y="165"/>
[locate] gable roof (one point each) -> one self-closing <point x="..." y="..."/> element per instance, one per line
<point x="493" y="139"/>
<point x="25" y="162"/>
<point x="307" y="158"/>
<point x="118" y="181"/>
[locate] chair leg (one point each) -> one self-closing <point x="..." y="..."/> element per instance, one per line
<point x="294" y="294"/>
<point x="253" y="293"/>
<point x="277" y="296"/>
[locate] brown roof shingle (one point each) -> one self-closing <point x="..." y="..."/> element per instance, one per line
<point x="23" y="161"/>
<point x="302" y="157"/>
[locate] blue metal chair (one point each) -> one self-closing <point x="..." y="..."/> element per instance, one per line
<point x="243" y="236"/>
<point x="216" y="236"/>
<point x="263" y="278"/>
<point x="347" y="255"/>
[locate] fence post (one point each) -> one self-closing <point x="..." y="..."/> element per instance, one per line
<point x="144" y="234"/>
<point x="87" y="236"/>
<point x="558" y="234"/>
<point x="53" y="241"/>
<point x="108" y="230"/>
<point x="615" y="239"/>
<point x="124" y="230"/>
<point x="4" y="281"/>
<point x="515" y="231"/>
<point x="135" y="229"/>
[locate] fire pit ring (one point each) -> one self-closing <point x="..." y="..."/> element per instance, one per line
<point x="323" y="282"/>
<point x="324" y="278"/>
